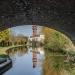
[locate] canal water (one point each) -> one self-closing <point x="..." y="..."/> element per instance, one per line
<point x="25" y="61"/>
<point x="37" y="61"/>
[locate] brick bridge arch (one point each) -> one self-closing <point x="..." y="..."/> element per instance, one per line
<point x="56" y="14"/>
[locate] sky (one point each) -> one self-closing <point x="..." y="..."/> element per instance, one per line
<point x="25" y="30"/>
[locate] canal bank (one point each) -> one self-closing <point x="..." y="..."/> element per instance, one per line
<point x="3" y="49"/>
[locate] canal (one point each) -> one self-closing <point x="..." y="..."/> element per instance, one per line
<point x="25" y="61"/>
<point x="37" y="61"/>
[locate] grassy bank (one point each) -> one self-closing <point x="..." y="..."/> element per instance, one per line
<point x="3" y="49"/>
<point x="55" y="40"/>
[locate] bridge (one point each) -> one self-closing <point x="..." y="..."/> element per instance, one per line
<point x="56" y="14"/>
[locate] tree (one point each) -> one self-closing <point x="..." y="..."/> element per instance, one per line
<point x="55" y="40"/>
<point x="4" y="34"/>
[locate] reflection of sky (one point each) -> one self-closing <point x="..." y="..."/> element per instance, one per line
<point x="25" y="30"/>
<point x="24" y="65"/>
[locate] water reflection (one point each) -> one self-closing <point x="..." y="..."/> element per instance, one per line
<point x="26" y="61"/>
<point x="54" y="64"/>
<point x="37" y="61"/>
<point x="35" y="52"/>
<point x="19" y="51"/>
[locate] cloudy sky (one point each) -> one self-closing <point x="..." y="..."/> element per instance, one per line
<point x="24" y="29"/>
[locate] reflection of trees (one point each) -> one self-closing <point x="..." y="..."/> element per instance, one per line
<point x="54" y="65"/>
<point x="18" y="51"/>
<point x="22" y="51"/>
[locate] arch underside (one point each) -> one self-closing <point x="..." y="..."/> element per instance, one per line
<point x="56" y="14"/>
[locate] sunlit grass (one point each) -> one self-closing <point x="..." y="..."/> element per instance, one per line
<point x="53" y="64"/>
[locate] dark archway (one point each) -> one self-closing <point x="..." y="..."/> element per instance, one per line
<point x="56" y="14"/>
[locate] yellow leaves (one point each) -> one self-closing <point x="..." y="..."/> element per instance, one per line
<point x="4" y="34"/>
